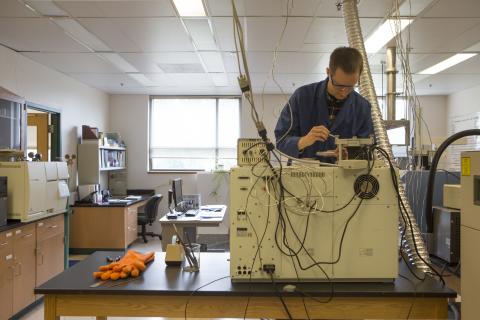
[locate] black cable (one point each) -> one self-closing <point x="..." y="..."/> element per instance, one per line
<point x="341" y="241"/>
<point x="405" y="212"/>
<point x="194" y="291"/>
<point x="259" y="244"/>
<point x="433" y="169"/>
<point x="280" y="296"/>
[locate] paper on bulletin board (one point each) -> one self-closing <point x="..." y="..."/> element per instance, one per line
<point x="472" y="143"/>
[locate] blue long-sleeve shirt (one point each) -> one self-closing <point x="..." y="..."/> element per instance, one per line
<point x="309" y="108"/>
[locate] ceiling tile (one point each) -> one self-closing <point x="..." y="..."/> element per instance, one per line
<point x="118" y="8"/>
<point x="140" y="35"/>
<point x="263" y="8"/>
<point x="73" y="62"/>
<point x="36" y="34"/>
<point x="149" y="62"/>
<point x="105" y="80"/>
<point x="202" y="36"/>
<point x="192" y="79"/>
<point x="14" y="9"/>
<point x="302" y="62"/>
<point x="332" y="30"/>
<point x="366" y="9"/>
<point x="446" y="83"/>
<point x="223" y="29"/>
<point x="213" y="61"/>
<point x="429" y="35"/>
<point x="262" y="34"/>
<point x="457" y="8"/>
<point x="107" y="31"/>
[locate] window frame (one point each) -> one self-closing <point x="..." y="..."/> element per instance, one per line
<point x="216" y="97"/>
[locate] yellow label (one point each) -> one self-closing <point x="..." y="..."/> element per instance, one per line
<point x="465" y="166"/>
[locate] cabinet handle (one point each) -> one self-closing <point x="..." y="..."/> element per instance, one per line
<point x="39" y="257"/>
<point x="3" y="244"/>
<point x="19" y="265"/>
<point x="28" y="235"/>
<point x="53" y="227"/>
<point x="12" y="273"/>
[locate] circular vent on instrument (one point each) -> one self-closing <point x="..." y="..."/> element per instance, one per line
<point x="366" y="186"/>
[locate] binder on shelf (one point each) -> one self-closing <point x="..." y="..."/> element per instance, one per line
<point x="89" y="132"/>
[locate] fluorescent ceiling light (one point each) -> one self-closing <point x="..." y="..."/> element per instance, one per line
<point x="118" y="61"/>
<point x="201" y="34"/>
<point x="78" y="33"/>
<point x="190" y="8"/>
<point x="447" y="63"/>
<point x="46" y="8"/>
<point x="384" y="34"/>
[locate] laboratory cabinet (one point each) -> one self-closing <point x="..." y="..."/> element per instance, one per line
<point x="30" y="254"/>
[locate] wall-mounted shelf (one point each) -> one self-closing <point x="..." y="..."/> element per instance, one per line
<point x="113" y="168"/>
<point x="112" y="148"/>
<point x="93" y="159"/>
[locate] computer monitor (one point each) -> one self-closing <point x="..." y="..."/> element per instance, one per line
<point x="177" y="191"/>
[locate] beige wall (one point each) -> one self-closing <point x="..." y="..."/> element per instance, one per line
<point x="78" y="103"/>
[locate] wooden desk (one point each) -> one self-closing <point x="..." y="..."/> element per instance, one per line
<point x="170" y="292"/>
<point x="105" y="226"/>
<point x="188" y="225"/>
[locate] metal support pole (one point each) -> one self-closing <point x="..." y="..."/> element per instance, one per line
<point x="391" y="82"/>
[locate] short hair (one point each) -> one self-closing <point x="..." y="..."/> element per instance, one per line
<point x="346" y="58"/>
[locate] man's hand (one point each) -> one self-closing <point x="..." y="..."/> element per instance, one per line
<point x="318" y="133"/>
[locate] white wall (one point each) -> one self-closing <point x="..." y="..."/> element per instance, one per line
<point x="78" y="103"/>
<point x="434" y="113"/>
<point x="463" y="103"/>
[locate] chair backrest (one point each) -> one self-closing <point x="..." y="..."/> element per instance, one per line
<point x="151" y="207"/>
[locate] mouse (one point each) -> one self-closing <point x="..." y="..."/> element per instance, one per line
<point x="289" y="288"/>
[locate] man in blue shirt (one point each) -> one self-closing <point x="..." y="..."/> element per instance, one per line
<point x="316" y="110"/>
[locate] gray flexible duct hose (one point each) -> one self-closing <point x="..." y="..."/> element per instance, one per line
<point x="367" y="89"/>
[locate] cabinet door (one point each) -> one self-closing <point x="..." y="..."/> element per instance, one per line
<point x="49" y="258"/>
<point x="131" y="224"/>
<point x="24" y="267"/>
<point x="6" y="280"/>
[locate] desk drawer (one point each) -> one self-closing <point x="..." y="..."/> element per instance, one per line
<point x="50" y="227"/>
<point x="24" y="232"/>
<point x="132" y="217"/>
<point x="6" y="239"/>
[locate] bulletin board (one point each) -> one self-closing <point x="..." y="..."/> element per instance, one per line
<point x="460" y="123"/>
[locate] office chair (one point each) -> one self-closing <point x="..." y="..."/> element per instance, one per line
<point x="148" y="216"/>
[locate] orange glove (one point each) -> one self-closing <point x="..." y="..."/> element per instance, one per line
<point x="131" y="264"/>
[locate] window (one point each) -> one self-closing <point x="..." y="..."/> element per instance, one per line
<point x="193" y="134"/>
<point x="401" y="108"/>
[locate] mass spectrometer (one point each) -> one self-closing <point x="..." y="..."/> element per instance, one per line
<point x="308" y="222"/>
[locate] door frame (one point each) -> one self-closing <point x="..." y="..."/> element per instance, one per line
<point x="56" y="139"/>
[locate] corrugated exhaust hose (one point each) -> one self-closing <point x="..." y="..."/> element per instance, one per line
<point x="413" y="244"/>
